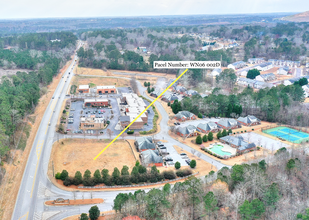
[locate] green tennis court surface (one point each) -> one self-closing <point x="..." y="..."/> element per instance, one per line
<point x="288" y="134"/>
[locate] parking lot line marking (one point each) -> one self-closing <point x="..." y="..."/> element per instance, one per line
<point x="140" y="114"/>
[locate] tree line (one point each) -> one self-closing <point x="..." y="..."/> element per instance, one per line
<point x="139" y="174"/>
<point x="276" y="189"/>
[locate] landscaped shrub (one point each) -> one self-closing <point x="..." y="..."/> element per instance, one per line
<point x="252" y="129"/>
<point x="134" y="179"/>
<point x="88" y="182"/>
<point x="242" y="132"/>
<point x="58" y="176"/>
<point x="245" y="130"/>
<point x="107" y="122"/>
<point x="205" y="138"/>
<point x="179" y="173"/>
<point x="193" y="163"/>
<point x="143" y="178"/>
<point x="198" y="140"/>
<point x="130" y="132"/>
<point x="258" y="148"/>
<point x="64" y="174"/>
<point x="170" y="175"/>
<point x="187" y="172"/>
<point x="200" y="115"/>
<point x="177" y="165"/>
<point x="153" y="178"/>
<point x="68" y="181"/>
<point x="64" y="111"/>
<point x="78" y="178"/>
<point x="142" y="169"/>
<point x="125" y="180"/>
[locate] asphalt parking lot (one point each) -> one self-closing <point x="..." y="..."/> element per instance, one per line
<point x="77" y="109"/>
<point x="174" y="155"/>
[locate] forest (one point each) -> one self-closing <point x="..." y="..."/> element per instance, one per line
<point x="274" y="188"/>
<point x="20" y="93"/>
<point x="281" y="104"/>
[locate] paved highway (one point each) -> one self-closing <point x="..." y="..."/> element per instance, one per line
<point x="36" y="188"/>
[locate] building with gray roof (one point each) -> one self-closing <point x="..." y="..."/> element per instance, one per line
<point x="228" y="123"/>
<point x="208" y="127"/>
<point x="187" y="131"/>
<point x="144" y="143"/>
<point x="238" y="143"/>
<point x="250" y="120"/>
<point x="150" y="158"/>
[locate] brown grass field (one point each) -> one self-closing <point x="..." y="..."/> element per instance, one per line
<point x="99" y="81"/>
<point x="77" y="155"/>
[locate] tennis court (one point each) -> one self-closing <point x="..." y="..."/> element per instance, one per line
<point x="289" y="134"/>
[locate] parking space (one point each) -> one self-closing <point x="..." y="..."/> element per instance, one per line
<point x="173" y="154"/>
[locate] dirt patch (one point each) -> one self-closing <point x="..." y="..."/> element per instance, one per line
<point x="170" y="76"/>
<point x="99" y="81"/>
<point x="14" y="171"/>
<point x="90" y="71"/>
<point x="74" y="202"/>
<point x="77" y="155"/>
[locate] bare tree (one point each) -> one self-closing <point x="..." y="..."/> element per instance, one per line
<point x="193" y="151"/>
<point x="110" y="133"/>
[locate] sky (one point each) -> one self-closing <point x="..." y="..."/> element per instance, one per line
<point x="101" y="8"/>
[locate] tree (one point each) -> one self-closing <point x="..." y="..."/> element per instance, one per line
<point x="246" y="211"/>
<point x="253" y="73"/>
<point x="198" y="140"/>
<point x="177" y="165"/>
<point x="125" y="170"/>
<point x="262" y="165"/>
<point x="211" y="203"/>
<point x="105" y="176"/>
<point x="224" y="133"/>
<point x="84" y="216"/>
<point x="116" y="173"/>
<point x="205" y="138"/>
<point x="237" y="173"/>
<point x="148" y="84"/>
<point x="193" y="163"/>
<point x="145" y="84"/>
<point x="64" y="175"/>
<point x="229" y="131"/>
<point x="135" y="171"/>
<point x="219" y="135"/>
<point x="200" y="115"/>
<point x="87" y="174"/>
<point x="97" y="176"/>
<point x="210" y="136"/>
<point x="142" y="169"/>
<point x="148" y="89"/>
<point x="78" y="178"/>
<point x="257" y="208"/>
<point x="272" y="195"/>
<point x="94" y="213"/>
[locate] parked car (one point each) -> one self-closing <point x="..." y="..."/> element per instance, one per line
<point x="175" y="123"/>
<point x="183" y="155"/>
<point x="162" y="148"/>
<point x="168" y="159"/>
<point x="188" y="161"/>
<point x="178" y="123"/>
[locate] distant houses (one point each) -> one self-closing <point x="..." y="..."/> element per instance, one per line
<point x="191" y="93"/>
<point x="188" y="131"/>
<point x="245" y="82"/>
<point x="238" y="143"/>
<point x="264" y="66"/>
<point x="283" y="70"/>
<point x="255" y="60"/>
<point x="169" y="97"/>
<point x="179" y="89"/>
<point x="184" y="116"/>
<point x="293" y="80"/>
<point x="228" y="123"/>
<point x="216" y="72"/>
<point x="208" y="127"/>
<point x="156" y="93"/>
<point x="144" y="143"/>
<point x="237" y="65"/>
<point x="282" y="63"/>
<point x="250" y="120"/>
<point x="266" y="77"/>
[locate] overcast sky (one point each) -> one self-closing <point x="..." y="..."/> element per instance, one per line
<point x="101" y="8"/>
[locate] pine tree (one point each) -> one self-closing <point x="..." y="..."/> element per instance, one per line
<point x="198" y="140"/>
<point x="205" y="138"/>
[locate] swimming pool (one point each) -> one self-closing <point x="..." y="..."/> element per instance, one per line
<point x="218" y="150"/>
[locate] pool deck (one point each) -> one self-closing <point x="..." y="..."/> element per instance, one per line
<point x="226" y="148"/>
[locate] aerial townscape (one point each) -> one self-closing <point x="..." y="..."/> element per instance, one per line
<point x="91" y="129"/>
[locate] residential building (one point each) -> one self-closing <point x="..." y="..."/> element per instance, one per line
<point x="191" y="93"/>
<point x="156" y="93"/>
<point x="83" y="89"/>
<point x="92" y="123"/>
<point x="237" y="65"/>
<point x="216" y="72"/>
<point x="238" y="143"/>
<point x="208" y="127"/>
<point x="283" y="70"/>
<point x="184" y="116"/>
<point x="243" y="73"/>
<point x="307" y="65"/>
<point x="151" y="158"/>
<point x="250" y="120"/>
<point x="246" y="82"/>
<point x="169" y="97"/>
<point x="282" y="63"/>
<point x="179" y="89"/>
<point x="144" y="143"/>
<point x="170" y="82"/>
<point x="106" y="89"/>
<point x="266" y="77"/>
<point x="262" y="85"/>
<point x="228" y="123"/>
<point x="187" y="131"/>
<point x="255" y="60"/>
<point x="96" y="102"/>
<point x="264" y="66"/>
<point x="293" y="80"/>
<point x="306" y="90"/>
